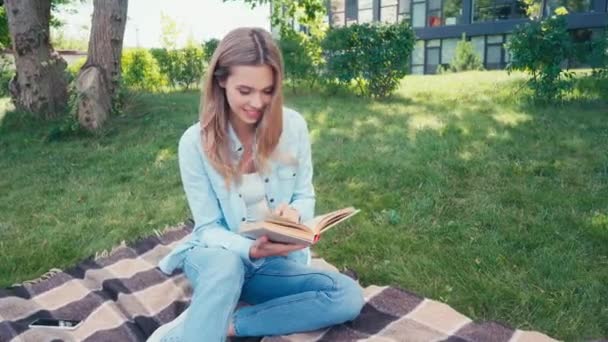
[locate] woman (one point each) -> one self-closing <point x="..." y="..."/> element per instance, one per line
<point x="248" y="156"/>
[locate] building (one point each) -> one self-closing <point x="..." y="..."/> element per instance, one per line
<point x="439" y="24"/>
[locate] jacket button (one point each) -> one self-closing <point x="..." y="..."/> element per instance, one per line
<point x="271" y="200"/>
<point x="240" y="148"/>
<point x="240" y="195"/>
<point x="243" y="219"/>
<point x="294" y="174"/>
<point x="266" y="180"/>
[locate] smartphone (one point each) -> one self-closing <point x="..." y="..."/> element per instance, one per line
<point x="65" y="324"/>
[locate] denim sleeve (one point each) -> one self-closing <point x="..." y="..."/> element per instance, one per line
<point x="203" y="202"/>
<point x="303" y="198"/>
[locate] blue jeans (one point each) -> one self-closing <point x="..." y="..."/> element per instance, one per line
<point x="285" y="297"/>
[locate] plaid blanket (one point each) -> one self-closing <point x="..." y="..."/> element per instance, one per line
<point x="122" y="296"/>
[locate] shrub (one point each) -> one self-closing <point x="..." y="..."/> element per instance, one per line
<point x="465" y="57"/>
<point x="190" y="65"/>
<point x="301" y="56"/>
<point x="209" y="48"/>
<point x="598" y="59"/>
<point x="540" y="48"/>
<point x="374" y="56"/>
<point x="140" y="70"/>
<point x="74" y="68"/>
<point x="6" y="73"/>
<point x="182" y="67"/>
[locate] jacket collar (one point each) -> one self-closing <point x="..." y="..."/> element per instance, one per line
<point x="235" y="143"/>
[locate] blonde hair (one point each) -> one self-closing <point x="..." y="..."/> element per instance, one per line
<point x="242" y="46"/>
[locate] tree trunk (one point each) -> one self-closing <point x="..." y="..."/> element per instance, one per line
<point x="99" y="77"/>
<point x="40" y="83"/>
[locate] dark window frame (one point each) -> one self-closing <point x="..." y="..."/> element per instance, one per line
<point x="493" y="66"/>
<point x="494" y="5"/>
<point x="355" y="11"/>
<point x="371" y="8"/>
<point x="426" y="59"/>
<point x="381" y="7"/>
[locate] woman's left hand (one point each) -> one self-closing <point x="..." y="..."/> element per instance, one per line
<point x="285" y="211"/>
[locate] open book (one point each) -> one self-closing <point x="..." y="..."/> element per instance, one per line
<point x="279" y="229"/>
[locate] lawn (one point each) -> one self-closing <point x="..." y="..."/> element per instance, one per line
<point x="468" y="195"/>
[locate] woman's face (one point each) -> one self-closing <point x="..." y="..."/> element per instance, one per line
<point x="249" y="90"/>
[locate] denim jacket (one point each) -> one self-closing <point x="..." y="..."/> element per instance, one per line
<point x="219" y="210"/>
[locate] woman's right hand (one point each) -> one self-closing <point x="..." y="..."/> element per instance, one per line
<point x="262" y="247"/>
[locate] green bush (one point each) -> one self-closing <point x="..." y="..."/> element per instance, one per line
<point x="540" y="49"/>
<point x="301" y="56"/>
<point x="465" y="57"/>
<point x="190" y="63"/>
<point x="6" y="74"/>
<point x="374" y="56"/>
<point x="209" y="48"/>
<point x="140" y="70"/>
<point x="183" y="67"/>
<point x="598" y="59"/>
<point x="165" y="63"/>
<point x="74" y="68"/>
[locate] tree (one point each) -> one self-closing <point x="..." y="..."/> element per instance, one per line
<point x="169" y="32"/>
<point x="5" y="38"/>
<point x="98" y="80"/>
<point x="306" y="12"/>
<point x="40" y="84"/>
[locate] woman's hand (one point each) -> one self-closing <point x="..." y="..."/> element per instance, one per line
<point x="262" y="248"/>
<point x="285" y="211"/>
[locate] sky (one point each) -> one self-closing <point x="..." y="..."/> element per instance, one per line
<point x="198" y="19"/>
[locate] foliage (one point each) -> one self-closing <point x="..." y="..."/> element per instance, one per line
<point x="182" y="67"/>
<point x="169" y="32"/>
<point x="140" y="70"/>
<point x="540" y="48"/>
<point x="209" y="48"/>
<point x="309" y="13"/>
<point x="465" y="57"/>
<point x="375" y="56"/>
<point x="5" y="37"/>
<point x="74" y="68"/>
<point x="191" y="65"/>
<point x="6" y="73"/>
<point x="598" y="59"/>
<point x="60" y="41"/>
<point x="302" y="58"/>
<point x="167" y="64"/>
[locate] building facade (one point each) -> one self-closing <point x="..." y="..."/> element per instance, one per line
<point x="488" y="24"/>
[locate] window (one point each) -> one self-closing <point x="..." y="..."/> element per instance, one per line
<point x="571" y="5"/>
<point x="418" y="58"/>
<point x="479" y="43"/>
<point x="351" y="12"/>
<point x="452" y="12"/>
<point x="495" y="52"/>
<point x="337" y="13"/>
<point x="388" y="11"/>
<point x="405" y="10"/>
<point x="433" y="56"/>
<point x="448" y="48"/>
<point x="491" y="10"/>
<point x="418" y="14"/>
<point x="366" y="12"/>
<point x="434" y="14"/>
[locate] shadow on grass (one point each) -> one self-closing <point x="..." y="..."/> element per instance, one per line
<point x="490" y="204"/>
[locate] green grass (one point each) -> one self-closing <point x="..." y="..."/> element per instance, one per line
<point x="469" y="196"/>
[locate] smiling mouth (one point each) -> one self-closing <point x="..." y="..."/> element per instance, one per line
<point x="253" y="114"/>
